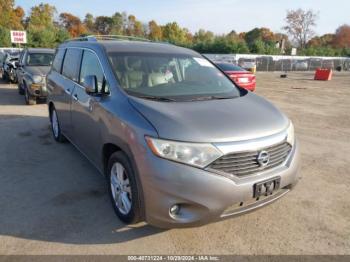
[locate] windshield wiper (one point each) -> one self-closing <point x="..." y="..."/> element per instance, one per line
<point x="203" y="98"/>
<point x="158" y="98"/>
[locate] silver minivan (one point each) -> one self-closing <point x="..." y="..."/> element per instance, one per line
<point x="180" y="144"/>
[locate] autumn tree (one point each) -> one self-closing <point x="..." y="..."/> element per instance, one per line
<point x="321" y="41"/>
<point x="342" y="37"/>
<point x="300" y="24"/>
<point x="154" y="31"/>
<point x="73" y="24"/>
<point x="11" y="17"/>
<point x="173" y="33"/>
<point x="134" y="27"/>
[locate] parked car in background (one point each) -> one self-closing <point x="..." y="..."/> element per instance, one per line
<point x="33" y="66"/>
<point x="301" y="65"/>
<point x="240" y="76"/>
<point x="9" y="67"/>
<point x="248" y="64"/>
<point x="3" y="54"/>
<point x="178" y="142"/>
<point x="2" y="60"/>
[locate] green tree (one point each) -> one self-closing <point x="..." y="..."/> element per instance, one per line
<point x="41" y="17"/>
<point x="89" y="23"/>
<point x="118" y="26"/>
<point x="4" y="36"/>
<point x="41" y="38"/>
<point x="203" y="36"/>
<point x="103" y="25"/>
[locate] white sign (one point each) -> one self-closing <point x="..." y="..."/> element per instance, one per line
<point x="294" y="51"/>
<point x="19" y="37"/>
<point x="203" y="62"/>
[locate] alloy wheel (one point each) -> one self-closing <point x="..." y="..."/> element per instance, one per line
<point x="120" y="187"/>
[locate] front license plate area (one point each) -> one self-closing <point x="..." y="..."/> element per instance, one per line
<point x="266" y="188"/>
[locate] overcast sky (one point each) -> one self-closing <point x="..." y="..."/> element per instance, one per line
<point x="219" y="16"/>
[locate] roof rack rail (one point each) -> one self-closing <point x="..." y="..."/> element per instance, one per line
<point x="96" y="38"/>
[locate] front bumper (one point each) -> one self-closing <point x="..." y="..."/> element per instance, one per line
<point x="204" y="197"/>
<point x="38" y="90"/>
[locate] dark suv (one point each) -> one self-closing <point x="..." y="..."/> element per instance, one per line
<point x="179" y="143"/>
<point x="32" y="68"/>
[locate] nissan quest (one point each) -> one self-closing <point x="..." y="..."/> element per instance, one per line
<point x="179" y="143"/>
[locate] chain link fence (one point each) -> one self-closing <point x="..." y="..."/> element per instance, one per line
<point x="283" y="63"/>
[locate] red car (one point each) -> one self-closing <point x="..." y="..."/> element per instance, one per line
<point x="240" y="76"/>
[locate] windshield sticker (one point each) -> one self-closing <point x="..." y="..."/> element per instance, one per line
<point x="203" y="62"/>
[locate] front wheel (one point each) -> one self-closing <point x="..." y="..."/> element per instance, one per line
<point x="30" y="100"/>
<point x="20" y="89"/>
<point x="123" y="189"/>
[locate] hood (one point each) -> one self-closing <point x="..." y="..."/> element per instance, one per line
<point x="38" y="70"/>
<point x="228" y="120"/>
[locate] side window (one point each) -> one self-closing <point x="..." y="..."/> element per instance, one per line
<point x="71" y="64"/>
<point x="57" y="62"/>
<point x="91" y="66"/>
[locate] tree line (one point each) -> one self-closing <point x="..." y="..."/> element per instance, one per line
<point x="46" y="28"/>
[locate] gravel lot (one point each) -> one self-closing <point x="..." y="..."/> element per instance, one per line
<point x="52" y="201"/>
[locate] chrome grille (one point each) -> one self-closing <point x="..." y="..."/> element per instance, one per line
<point x="246" y="163"/>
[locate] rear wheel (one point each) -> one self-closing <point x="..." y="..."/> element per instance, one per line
<point x="55" y="127"/>
<point x="123" y="189"/>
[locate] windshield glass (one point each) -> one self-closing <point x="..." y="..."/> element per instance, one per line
<point x="171" y="76"/>
<point x="39" y="59"/>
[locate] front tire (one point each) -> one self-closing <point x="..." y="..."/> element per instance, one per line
<point x="122" y="188"/>
<point x="20" y="89"/>
<point x="30" y="100"/>
<point x="55" y="127"/>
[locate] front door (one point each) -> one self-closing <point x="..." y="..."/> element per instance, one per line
<point x="86" y="109"/>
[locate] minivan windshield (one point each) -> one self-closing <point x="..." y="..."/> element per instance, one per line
<point x="39" y="59"/>
<point x="171" y="77"/>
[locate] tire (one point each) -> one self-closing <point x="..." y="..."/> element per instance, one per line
<point x="30" y="100"/>
<point x="55" y="127"/>
<point x="127" y="190"/>
<point x="20" y="89"/>
<point x="4" y="76"/>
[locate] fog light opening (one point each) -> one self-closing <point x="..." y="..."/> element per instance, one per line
<point x="174" y="210"/>
<point x="37" y="92"/>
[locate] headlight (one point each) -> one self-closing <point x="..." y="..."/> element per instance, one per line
<point x="195" y="154"/>
<point x="290" y="134"/>
<point x="37" y="79"/>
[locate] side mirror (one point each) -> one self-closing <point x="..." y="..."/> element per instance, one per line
<point x="90" y="84"/>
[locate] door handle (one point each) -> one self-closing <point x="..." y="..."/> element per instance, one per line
<point x="67" y="91"/>
<point x="75" y="97"/>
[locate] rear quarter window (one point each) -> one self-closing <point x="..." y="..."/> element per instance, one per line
<point x="71" y="64"/>
<point x="57" y="62"/>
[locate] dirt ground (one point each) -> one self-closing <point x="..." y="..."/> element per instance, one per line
<point x="52" y="201"/>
